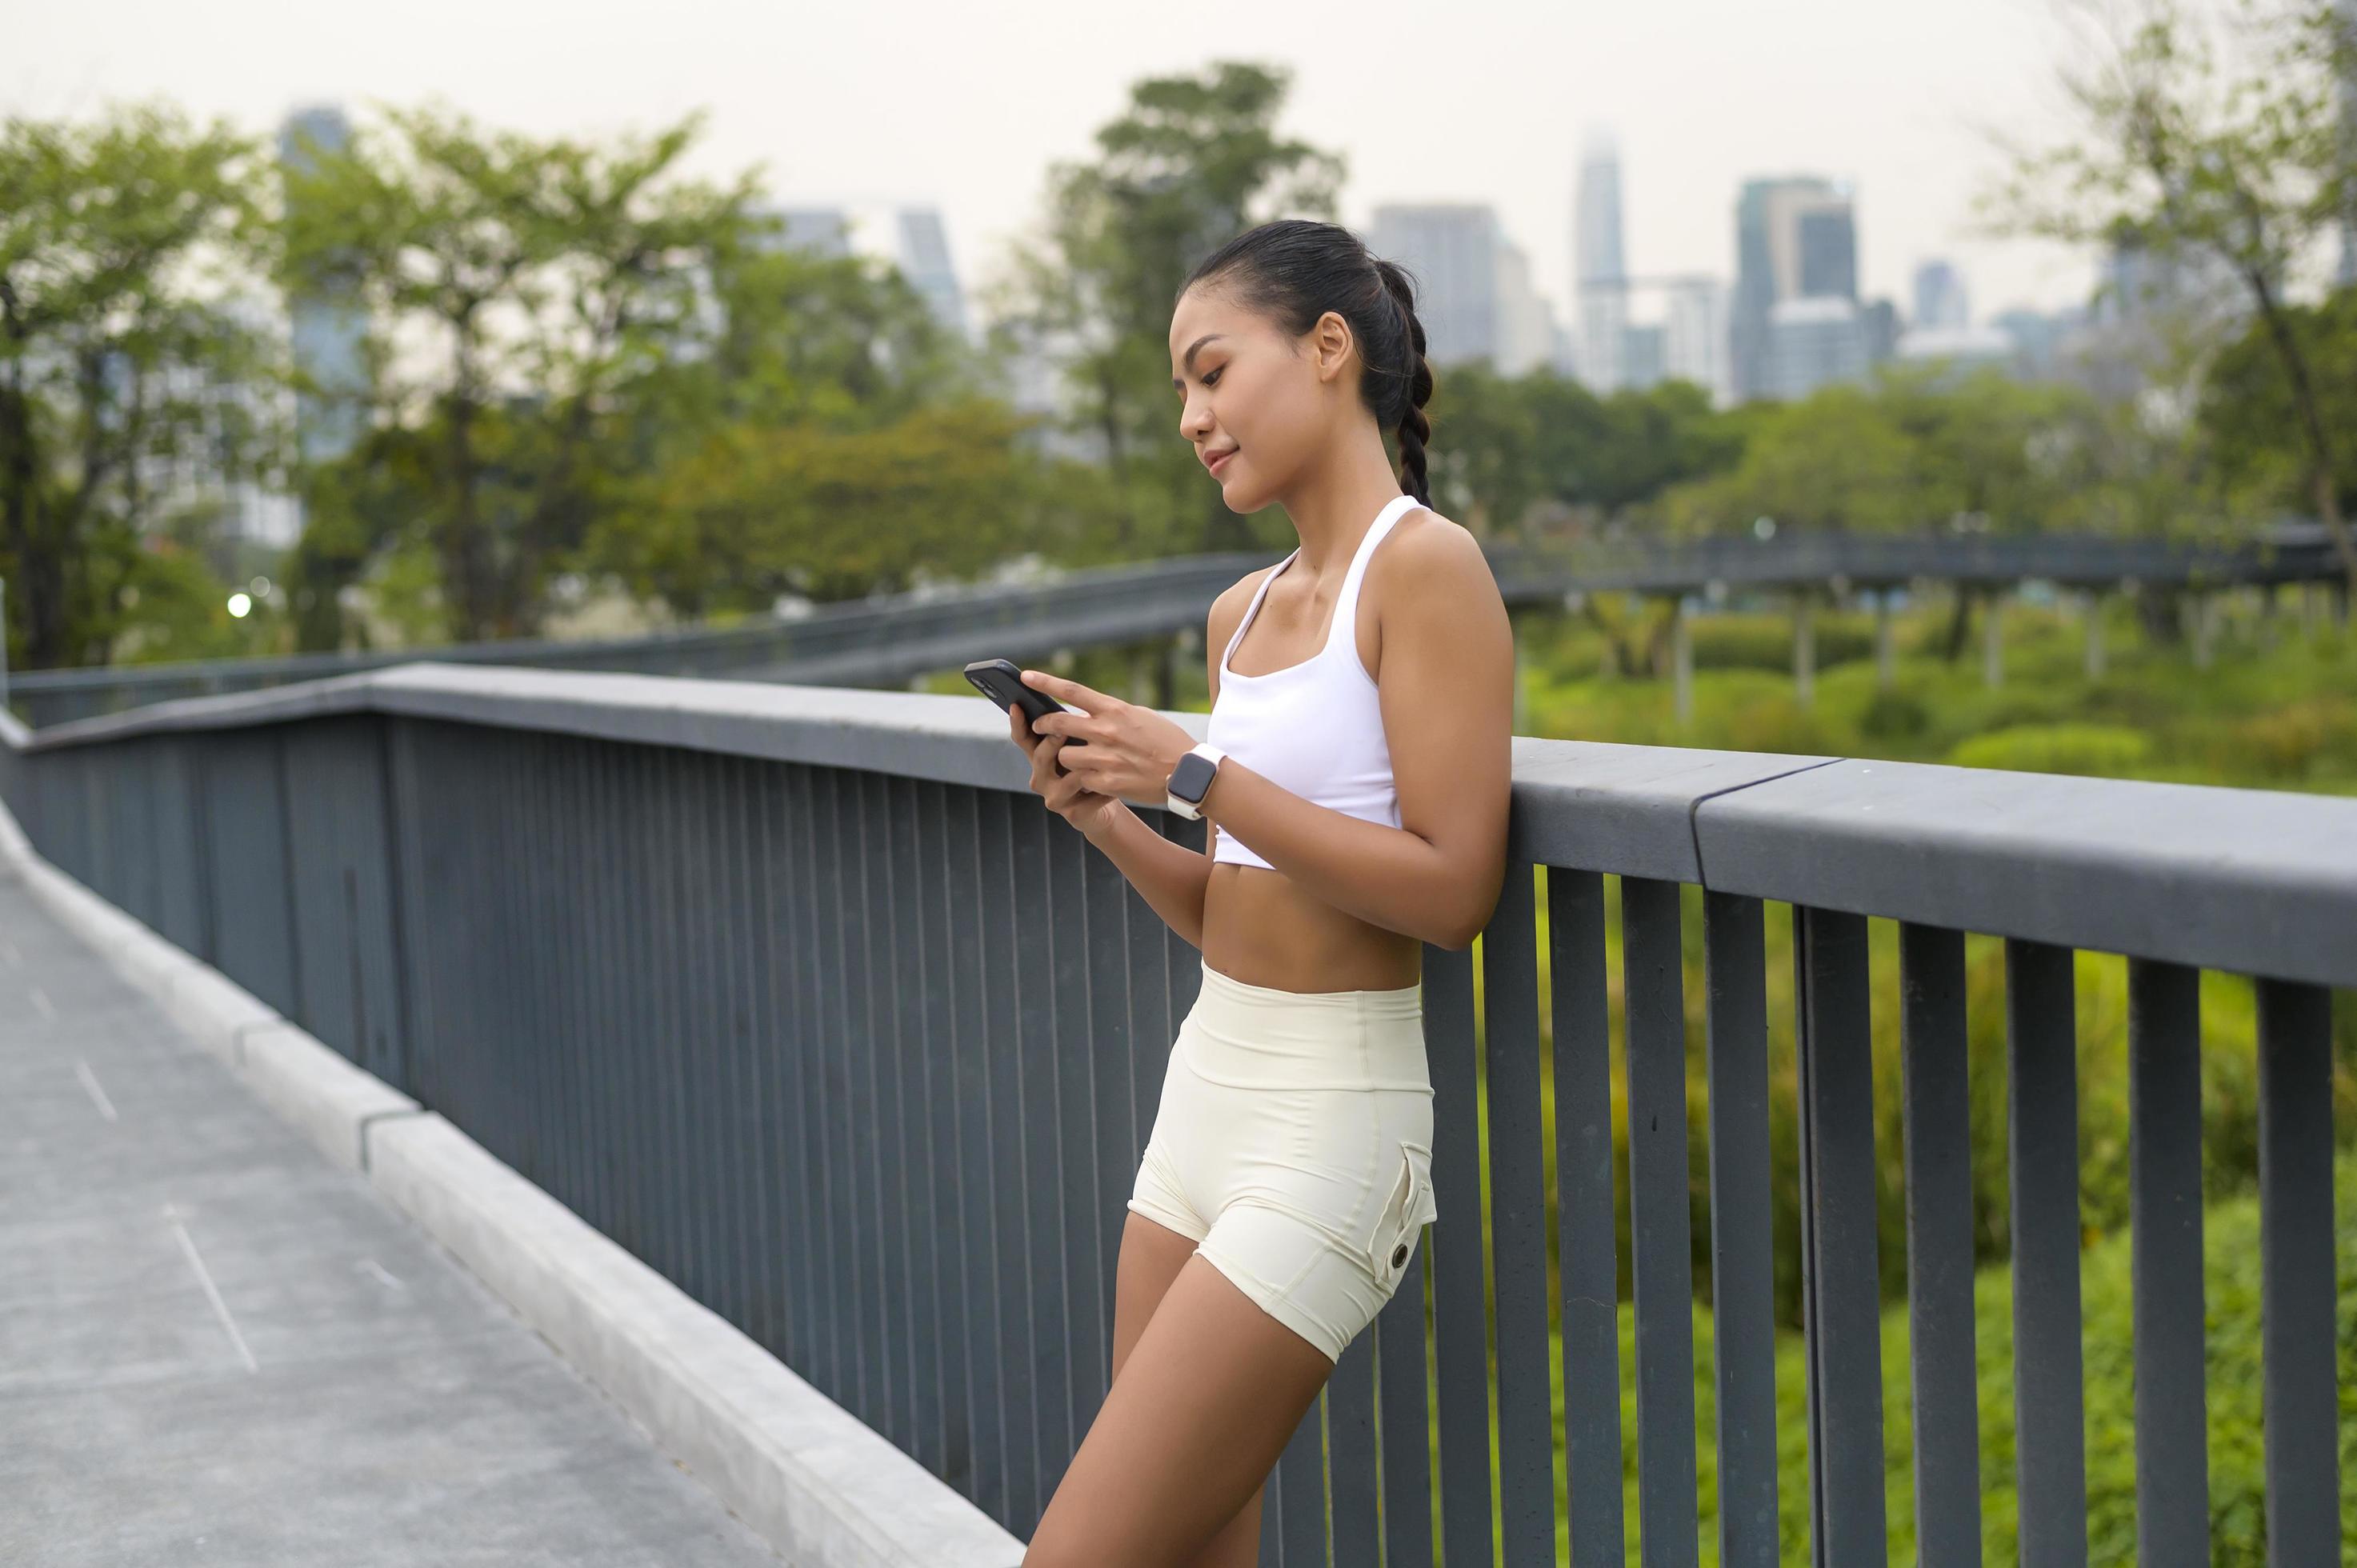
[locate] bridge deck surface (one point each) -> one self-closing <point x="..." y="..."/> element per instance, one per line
<point x="216" y="1347"/>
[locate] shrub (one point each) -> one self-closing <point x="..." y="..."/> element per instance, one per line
<point x="2104" y="751"/>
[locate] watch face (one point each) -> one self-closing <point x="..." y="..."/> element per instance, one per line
<point x="1192" y="776"/>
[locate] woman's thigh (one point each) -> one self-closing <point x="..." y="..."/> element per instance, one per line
<point x="1204" y="1402"/>
<point x="1151" y="1256"/>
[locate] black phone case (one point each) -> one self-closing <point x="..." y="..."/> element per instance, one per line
<point x="1002" y="682"/>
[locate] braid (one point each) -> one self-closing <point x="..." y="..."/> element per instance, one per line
<point x="1414" y="428"/>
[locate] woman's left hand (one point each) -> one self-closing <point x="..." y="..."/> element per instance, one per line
<point x="1130" y="749"/>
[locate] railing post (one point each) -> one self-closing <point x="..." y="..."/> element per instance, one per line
<point x="1839" y="1272"/>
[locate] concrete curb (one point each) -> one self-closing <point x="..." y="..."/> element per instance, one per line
<point x="815" y="1481"/>
<point x="333" y="1102"/>
<point x="797" y="1467"/>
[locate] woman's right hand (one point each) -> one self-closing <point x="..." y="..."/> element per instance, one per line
<point x="1084" y="808"/>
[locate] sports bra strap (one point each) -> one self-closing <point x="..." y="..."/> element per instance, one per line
<point x="1347" y="603"/>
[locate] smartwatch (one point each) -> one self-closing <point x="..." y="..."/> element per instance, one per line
<point x="1192" y="778"/>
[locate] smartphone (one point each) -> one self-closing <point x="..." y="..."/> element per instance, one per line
<point x="1002" y="682"/>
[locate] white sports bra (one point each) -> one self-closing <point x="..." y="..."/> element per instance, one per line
<point x="1315" y="727"/>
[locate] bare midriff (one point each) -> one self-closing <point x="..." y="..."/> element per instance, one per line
<point x="1260" y="929"/>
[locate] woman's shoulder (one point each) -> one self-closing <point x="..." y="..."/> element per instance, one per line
<point x="1424" y="542"/>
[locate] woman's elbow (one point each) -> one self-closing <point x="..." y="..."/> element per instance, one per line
<point x="1477" y="909"/>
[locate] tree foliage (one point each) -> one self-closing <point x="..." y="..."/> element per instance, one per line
<point x="2226" y="147"/>
<point x="119" y="332"/>
<point x="1193" y="161"/>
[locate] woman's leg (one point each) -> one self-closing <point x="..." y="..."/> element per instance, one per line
<point x="1151" y="1257"/>
<point x="1203" y="1400"/>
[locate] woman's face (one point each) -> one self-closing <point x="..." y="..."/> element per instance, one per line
<point x="1247" y="389"/>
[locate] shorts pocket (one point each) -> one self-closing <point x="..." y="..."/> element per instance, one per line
<point x="1406" y="1212"/>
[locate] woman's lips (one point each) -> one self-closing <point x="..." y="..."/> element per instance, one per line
<point x="1220" y="462"/>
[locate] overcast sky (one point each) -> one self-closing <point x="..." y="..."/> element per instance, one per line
<point x="964" y="104"/>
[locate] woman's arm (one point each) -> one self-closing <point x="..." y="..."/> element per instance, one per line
<point x="1448" y="706"/>
<point x="1168" y="875"/>
<point x="1173" y="879"/>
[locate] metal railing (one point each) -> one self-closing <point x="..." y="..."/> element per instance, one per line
<point x="887" y="641"/>
<point x="727" y="968"/>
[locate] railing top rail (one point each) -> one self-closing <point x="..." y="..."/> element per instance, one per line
<point x="2255" y="881"/>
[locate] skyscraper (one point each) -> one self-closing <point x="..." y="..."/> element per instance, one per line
<point x="1601" y="274"/>
<point x="1694" y="343"/>
<point x="326" y="323"/>
<point x="924" y="260"/>
<point x="825" y="230"/>
<point x="1472" y="292"/>
<point x="1940" y="298"/>
<point x="1795" y="237"/>
<point x="1814" y="340"/>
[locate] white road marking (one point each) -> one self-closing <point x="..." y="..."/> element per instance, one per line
<point x="221" y="1307"/>
<point x="43" y="1006"/>
<point x="90" y="1081"/>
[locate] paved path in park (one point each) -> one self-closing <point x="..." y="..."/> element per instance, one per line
<point x="217" y="1347"/>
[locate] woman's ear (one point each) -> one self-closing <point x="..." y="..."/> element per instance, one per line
<point x="1330" y="344"/>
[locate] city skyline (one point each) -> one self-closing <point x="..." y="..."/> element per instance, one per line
<point x="1488" y="123"/>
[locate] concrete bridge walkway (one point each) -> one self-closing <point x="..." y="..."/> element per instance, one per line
<point x="217" y="1347"/>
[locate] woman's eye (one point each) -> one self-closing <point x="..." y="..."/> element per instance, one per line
<point x="1213" y="379"/>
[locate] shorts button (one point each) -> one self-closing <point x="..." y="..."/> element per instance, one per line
<point x="1399" y="1255"/>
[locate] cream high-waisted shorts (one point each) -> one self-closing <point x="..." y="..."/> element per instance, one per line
<point x="1293" y="1144"/>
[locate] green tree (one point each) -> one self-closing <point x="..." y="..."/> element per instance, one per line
<point x="2249" y="406"/>
<point x="1839" y="458"/>
<point x="121" y="352"/>
<point x="1193" y="161"/>
<point x="2246" y="166"/>
<point x="551" y="279"/>
<point x="824" y="435"/>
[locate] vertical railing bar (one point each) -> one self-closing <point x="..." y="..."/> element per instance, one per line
<point x="1585" y="1222"/>
<point x="607" y="1039"/>
<point x="2043" y="1114"/>
<point x="864" y="1044"/>
<point x="1743" y="1265"/>
<point x="832" y="1090"/>
<point x="795" y="1168"/>
<point x="741" y="1095"/>
<point x="1936" y="1121"/>
<point x="966" y="841"/>
<point x="1351" y="1453"/>
<point x="1661" y="1236"/>
<point x="1300" y="1477"/>
<point x="944" y="1259"/>
<point x="680" y="1217"/>
<point x="911" y="1122"/>
<point x="1403" y="1416"/>
<point x="1065" y="870"/>
<point x="1457" y="1245"/>
<point x="1840" y="1264"/>
<point x="880" y="846"/>
<point x="704" y="1035"/>
<point x="1111" y="1049"/>
<point x="1011" y="1116"/>
<point x="2172" y="1424"/>
<point x="2298" y="1304"/>
<point x="1042" y="1107"/>
<point x="1517" y="1135"/>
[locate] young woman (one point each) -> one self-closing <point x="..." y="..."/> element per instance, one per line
<point x="1354" y="787"/>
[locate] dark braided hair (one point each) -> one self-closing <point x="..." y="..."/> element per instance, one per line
<point x="1295" y="270"/>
